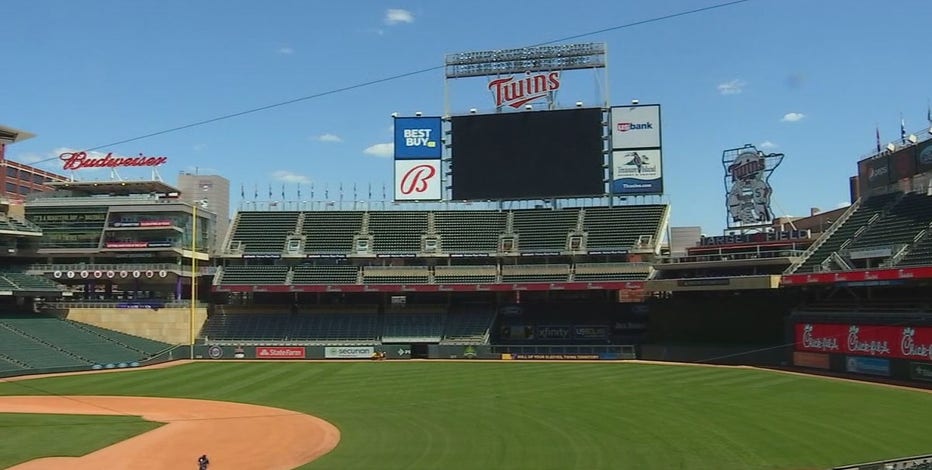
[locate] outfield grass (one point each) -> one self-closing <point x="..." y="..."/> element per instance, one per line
<point x="502" y="415"/>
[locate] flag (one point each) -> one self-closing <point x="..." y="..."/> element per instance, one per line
<point x="326" y="191"/>
<point x="312" y="191"/>
<point x="283" y="191"/>
<point x="270" y="191"/>
<point x="902" y="129"/>
<point x="341" y="191"/>
<point x="383" y="192"/>
<point x="242" y="191"/>
<point x="929" y="113"/>
<point x="255" y="191"/>
<point x="877" y="133"/>
<point x="370" y="190"/>
<point x="299" y="191"/>
<point x="354" y="191"/>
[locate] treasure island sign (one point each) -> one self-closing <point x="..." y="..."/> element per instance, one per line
<point x="78" y="160"/>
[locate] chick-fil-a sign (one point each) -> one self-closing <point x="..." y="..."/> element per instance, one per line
<point x="897" y="342"/>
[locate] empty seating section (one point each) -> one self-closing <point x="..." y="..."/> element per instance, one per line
<point x="470" y="231"/>
<point x="861" y="216"/>
<point x="396" y="275"/>
<point x="31" y="354"/>
<point x="257" y="275"/>
<point x="899" y="225"/>
<point x="8" y="222"/>
<point x="305" y="328"/>
<point x="412" y="328"/>
<point x="468" y="326"/>
<point x="306" y="274"/>
<point x="145" y="346"/>
<point x="330" y="231"/>
<point x="465" y="274"/>
<point x="29" y="282"/>
<point x="611" y="272"/>
<point x="79" y="345"/>
<point x="536" y="273"/>
<point x="264" y="232"/>
<point x="544" y="230"/>
<point x="619" y="228"/>
<point x="919" y="254"/>
<point x="397" y="231"/>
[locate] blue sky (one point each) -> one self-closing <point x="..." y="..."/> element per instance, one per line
<point x="809" y="79"/>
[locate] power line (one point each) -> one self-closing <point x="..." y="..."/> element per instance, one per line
<point x="400" y="76"/>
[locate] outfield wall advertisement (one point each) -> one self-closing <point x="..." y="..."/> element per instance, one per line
<point x="868" y="365"/>
<point x="418" y="180"/>
<point x="349" y="352"/>
<point x="893" y="342"/>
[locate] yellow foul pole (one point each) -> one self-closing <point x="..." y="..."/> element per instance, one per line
<point x="193" y="272"/>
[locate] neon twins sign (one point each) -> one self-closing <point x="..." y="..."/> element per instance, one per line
<point x="79" y="160"/>
<point x="518" y="91"/>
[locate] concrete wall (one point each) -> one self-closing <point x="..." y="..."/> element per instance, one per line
<point x="169" y="325"/>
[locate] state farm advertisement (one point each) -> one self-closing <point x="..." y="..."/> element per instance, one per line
<point x="896" y="342"/>
<point x="280" y="352"/>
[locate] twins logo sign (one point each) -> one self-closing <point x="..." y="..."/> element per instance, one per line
<point x="747" y="171"/>
<point x="417" y="180"/>
<point x="417" y="138"/>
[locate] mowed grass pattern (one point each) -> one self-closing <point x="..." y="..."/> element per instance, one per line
<point x="503" y="415"/>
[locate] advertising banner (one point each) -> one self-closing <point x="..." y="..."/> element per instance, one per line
<point x="349" y="352"/>
<point x="280" y="352"/>
<point x="556" y="357"/>
<point x="924" y="156"/>
<point x="868" y="365"/>
<point x="895" y="342"/>
<point x="813" y="360"/>
<point x="590" y="332"/>
<point x="553" y="332"/>
<point x="903" y="163"/>
<point x="418" y="138"/>
<point x="418" y="180"/>
<point x="920" y="371"/>
<point x="873" y="275"/>
<point x="876" y="172"/>
<point x="636" y="127"/>
<point x="637" y="172"/>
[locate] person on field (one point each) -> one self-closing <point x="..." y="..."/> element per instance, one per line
<point x="203" y="462"/>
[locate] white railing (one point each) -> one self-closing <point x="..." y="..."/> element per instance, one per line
<point x="825" y="236"/>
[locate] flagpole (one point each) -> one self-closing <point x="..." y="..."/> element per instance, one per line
<point x="193" y="272"/>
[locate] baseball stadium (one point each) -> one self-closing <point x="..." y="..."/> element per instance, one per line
<point x="470" y="319"/>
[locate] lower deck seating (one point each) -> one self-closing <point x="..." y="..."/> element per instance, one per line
<point x="412" y="328"/>
<point x="468" y="326"/>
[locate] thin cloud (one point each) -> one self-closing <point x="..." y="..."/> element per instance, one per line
<point x="329" y="138"/>
<point x="287" y="176"/>
<point x="792" y="117"/>
<point x="395" y="16"/>
<point x="285" y="50"/>
<point x="199" y="147"/>
<point x="380" y="150"/>
<point x="732" y="87"/>
<point x="767" y="145"/>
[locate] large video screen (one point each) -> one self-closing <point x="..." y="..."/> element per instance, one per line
<point x="528" y="155"/>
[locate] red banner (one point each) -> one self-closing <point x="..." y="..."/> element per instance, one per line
<point x="896" y="342"/>
<point x="858" y="276"/>
<point x="280" y="352"/>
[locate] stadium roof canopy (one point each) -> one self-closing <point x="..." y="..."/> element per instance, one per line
<point x="116" y="188"/>
<point x="9" y="135"/>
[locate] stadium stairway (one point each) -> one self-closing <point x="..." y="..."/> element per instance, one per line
<point x="866" y="213"/>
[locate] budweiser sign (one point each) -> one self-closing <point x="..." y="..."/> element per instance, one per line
<point x="516" y="92"/>
<point x="79" y="160"/>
